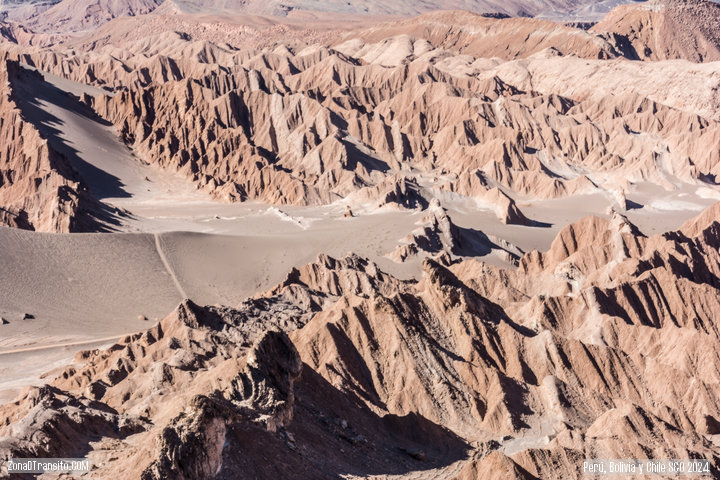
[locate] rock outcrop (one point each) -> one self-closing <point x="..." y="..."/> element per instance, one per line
<point x="601" y="347"/>
<point x="38" y="188"/>
<point x="665" y="30"/>
<point x="438" y="237"/>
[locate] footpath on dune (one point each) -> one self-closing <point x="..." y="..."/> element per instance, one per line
<point x="599" y="347"/>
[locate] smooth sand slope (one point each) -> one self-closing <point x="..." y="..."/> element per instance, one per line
<point x="107" y="166"/>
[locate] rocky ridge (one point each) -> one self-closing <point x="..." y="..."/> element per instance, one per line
<point x="291" y="128"/>
<point x="599" y="347"/>
<point x="322" y="124"/>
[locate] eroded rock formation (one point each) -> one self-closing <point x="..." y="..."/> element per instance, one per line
<point x="600" y="347"/>
<point x="39" y="190"/>
<point x="396" y="110"/>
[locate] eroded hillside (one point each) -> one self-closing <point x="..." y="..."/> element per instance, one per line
<point x="600" y="347"/>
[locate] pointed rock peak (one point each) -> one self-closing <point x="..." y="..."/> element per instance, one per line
<point x="190" y="314"/>
<point x="708" y="218"/>
<point x="622" y="224"/>
<point x="438" y="274"/>
<point x="443" y="280"/>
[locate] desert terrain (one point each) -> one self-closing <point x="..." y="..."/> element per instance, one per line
<point x="360" y="239"/>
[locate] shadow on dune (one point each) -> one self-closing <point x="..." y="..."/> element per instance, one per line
<point x="30" y="90"/>
<point x="539" y="224"/>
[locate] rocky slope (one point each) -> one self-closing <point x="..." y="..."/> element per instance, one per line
<point x="20" y="10"/>
<point x="666" y="30"/>
<point x="314" y="126"/>
<point x="65" y="16"/>
<point x="401" y="7"/>
<point x="38" y="188"/>
<point x="319" y="124"/>
<point x="74" y="15"/>
<point x="601" y="347"/>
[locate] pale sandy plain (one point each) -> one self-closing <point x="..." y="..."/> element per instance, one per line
<point x="174" y="242"/>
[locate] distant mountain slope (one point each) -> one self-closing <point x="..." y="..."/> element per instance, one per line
<point x="584" y="11"/>
<point x="397" y="7"/>
<point x="74" y="15"/>
<point x="482" y="37"/>
<point x="63" y="16"/>
<point x="666" y="29"/>
<point x="22" y="10"/>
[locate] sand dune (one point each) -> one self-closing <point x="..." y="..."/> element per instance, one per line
<point x="107" y="166"/>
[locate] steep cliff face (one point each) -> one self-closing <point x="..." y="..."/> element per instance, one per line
<point x="38" y="188"/>
<point x="601" y="347"/>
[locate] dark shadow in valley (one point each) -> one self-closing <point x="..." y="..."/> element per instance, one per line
<point x="356" y="156"/>
<point x="30" y="90"/>
<point x="539" y="224"/>
<point x="333" y="435"/>
<point x="473" y="243"/>
<point x="631" y="205"/>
